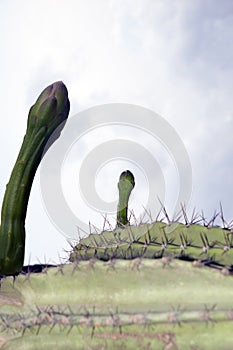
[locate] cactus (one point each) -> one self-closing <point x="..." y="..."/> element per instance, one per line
<point x="211" y="245"/>
<point x="46" y="115"/>
<point x="125" y="185"/>
<point x="114" y="293"/>
<point x="134" y="304"/>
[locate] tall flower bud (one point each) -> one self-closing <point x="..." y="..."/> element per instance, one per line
<point x="45" y="117"/>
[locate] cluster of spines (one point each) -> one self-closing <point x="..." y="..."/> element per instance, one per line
<point x="66" y="319"/>
<point x="163" y="216"/>
<point x="190" y="240"/>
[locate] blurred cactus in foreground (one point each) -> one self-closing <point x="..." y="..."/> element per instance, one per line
<point x="119" y="304"/>
<point x="46" y="115"/>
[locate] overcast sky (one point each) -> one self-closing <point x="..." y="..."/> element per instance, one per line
<point x="171" y="57"/>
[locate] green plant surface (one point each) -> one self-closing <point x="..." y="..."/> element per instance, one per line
<point x="125" y="186"/>
<point x="48" y="113"/>
<point x="130" y="304"/>
<point x="212" y="245"/>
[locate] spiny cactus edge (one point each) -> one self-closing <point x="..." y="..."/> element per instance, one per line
<point x="121" y="297"/>
<point x="134" y="304"/>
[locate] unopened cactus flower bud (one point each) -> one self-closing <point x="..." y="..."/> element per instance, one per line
<point x="51" y="108"/>
<point x="125" y="186"/>
<point x="48" y="113"/>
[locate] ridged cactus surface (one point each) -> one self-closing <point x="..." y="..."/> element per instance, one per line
<point x="119" y="304"/>
<point x="212" y="245"/>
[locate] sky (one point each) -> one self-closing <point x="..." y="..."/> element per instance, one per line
<point x="172" y="58"/>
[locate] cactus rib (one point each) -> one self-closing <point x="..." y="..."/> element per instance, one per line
<point x="98" y="305"/>
<point x="193" y="242"/>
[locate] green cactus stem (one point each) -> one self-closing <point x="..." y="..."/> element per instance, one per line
<point x="125" y="186"/>
<point x="211" y="245"/>
<point x="120" y="304"/>
<point x="45" y="116"/>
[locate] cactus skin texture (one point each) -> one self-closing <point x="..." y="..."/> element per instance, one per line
<point x="210" y="245"/>
<point x="45" y="116"/>
<point x="119" y="304"/>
